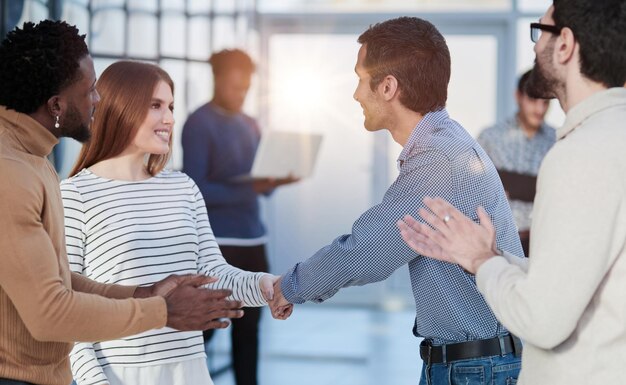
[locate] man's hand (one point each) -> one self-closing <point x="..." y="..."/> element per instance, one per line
<point x="266" y="185"/>
<point x="281" y="308"/>
<point x="191" y="307"/>
<point x="165" y="286"/>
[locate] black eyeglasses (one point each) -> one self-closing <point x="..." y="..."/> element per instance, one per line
<point x="536" y="28"/>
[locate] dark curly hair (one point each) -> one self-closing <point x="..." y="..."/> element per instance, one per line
<point x="600" y="28"/>
<point x="416" y="54"/>
<point x="37" y="62"/>
<point x="229" y="59"/>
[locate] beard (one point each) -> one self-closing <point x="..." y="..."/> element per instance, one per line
<point x="74" y="127"/>
<point x="541" y="82"/>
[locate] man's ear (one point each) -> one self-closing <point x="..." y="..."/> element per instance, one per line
<point x="565" y="46"/>
<point x="55" y="106"/>
<point x="389" y="87"/>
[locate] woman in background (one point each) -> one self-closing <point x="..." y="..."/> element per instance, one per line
<point x="130" y="221"/>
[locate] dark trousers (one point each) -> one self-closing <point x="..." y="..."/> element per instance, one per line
<point x="245" y="330"/>
<point x="6" y="381"/>
<point x="524" y="237"/>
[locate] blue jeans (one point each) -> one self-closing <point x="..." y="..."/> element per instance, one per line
<point x="494" y="370"/>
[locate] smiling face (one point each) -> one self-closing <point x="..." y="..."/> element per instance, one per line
<point x="370" y="101"/>
<point x="155" y="133"/>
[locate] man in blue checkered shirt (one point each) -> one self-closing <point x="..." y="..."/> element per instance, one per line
<point x="517" y="146"/>
<point x="403" y="68"/>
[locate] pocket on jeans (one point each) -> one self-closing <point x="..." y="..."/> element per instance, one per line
<point x="468" y="375"/>
<point x="506" y="374"/>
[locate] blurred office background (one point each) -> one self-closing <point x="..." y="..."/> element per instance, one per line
<point x="306" y="51"/>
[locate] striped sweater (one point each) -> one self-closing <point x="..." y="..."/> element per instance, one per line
<point x="137" y="233"/>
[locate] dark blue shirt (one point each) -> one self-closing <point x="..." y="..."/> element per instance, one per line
<point x="439" y="159"/>
<point x="218" y="146"/>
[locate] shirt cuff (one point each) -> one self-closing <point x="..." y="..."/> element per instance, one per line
<point x="491" y="268"/>
<point x="154" y="312"/>
<point x="262" y="301"/>
<point x="120" y="291"/>
<point x="288" y="286"/>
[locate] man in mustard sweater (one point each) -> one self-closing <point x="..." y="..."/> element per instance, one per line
<point x="48" y="91"/>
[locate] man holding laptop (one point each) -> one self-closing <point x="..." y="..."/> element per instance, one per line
<point x="219" y="144"/>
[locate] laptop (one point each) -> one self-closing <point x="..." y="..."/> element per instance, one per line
<point x="282" y="153"/>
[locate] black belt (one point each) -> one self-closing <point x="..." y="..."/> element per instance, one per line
<point x="471" y="349"/>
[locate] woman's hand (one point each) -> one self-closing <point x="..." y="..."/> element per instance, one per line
<point x="270" y="285"/>
<point x="267" y="286"/>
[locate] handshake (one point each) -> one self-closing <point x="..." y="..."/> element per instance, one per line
<point x="280" y="307"/>
<point x="191" y="306"/>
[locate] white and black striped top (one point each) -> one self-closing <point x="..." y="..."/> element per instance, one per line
<point x="137" y="233"/>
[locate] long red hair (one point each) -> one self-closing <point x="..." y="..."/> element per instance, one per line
<point x="126" y="89"/>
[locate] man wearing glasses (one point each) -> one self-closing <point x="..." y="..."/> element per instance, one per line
<point x="568" y="301"/>
<point x="536" y="28"/>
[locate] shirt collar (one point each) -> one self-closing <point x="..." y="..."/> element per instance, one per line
<point x="422" y="133"/>
<point x="34" y="137"/>
<point x="544" y="129"/>
<point x="513" y="124"/>
<point x="593" y="104"/>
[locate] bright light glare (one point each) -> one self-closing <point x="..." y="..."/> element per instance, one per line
<point x="299" y="90"/>
<point x="306" y="89"/>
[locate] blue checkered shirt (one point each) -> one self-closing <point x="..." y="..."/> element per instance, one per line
<point x="439" y="159"/>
